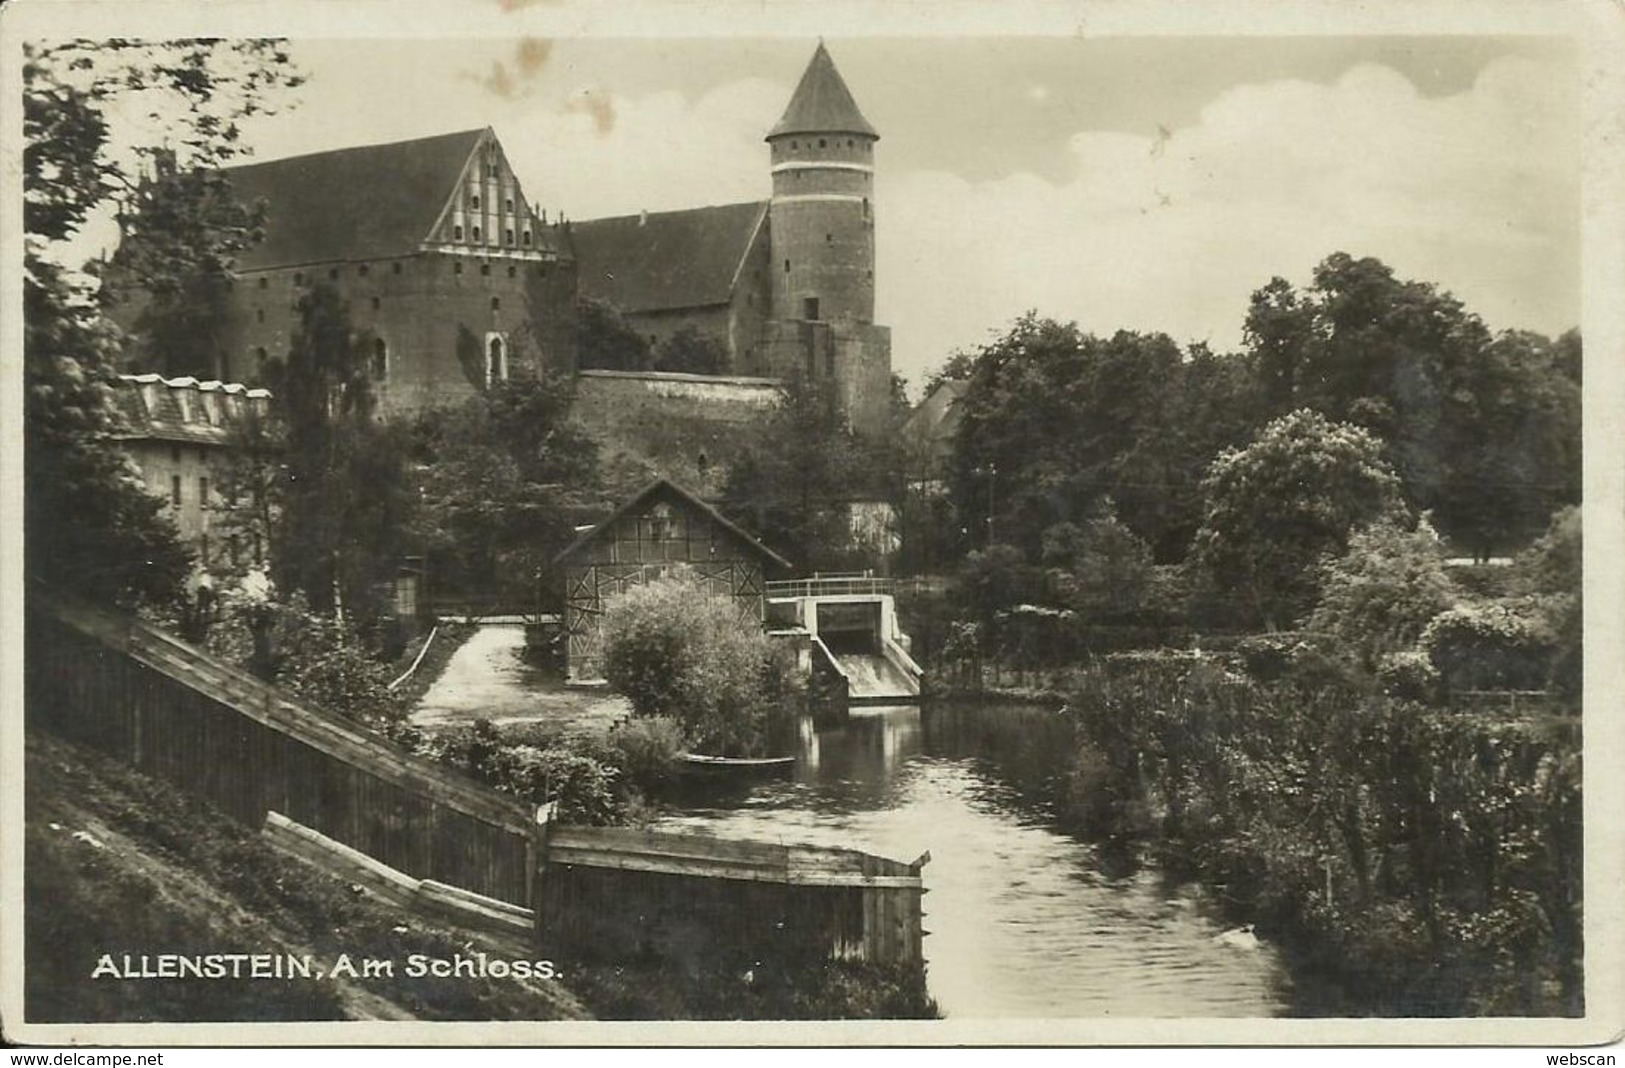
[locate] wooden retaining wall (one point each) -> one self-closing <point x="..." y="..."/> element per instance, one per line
<point x="613" y="894"/>
<point x="171" y="711"/>
<point x="421" y="836"/>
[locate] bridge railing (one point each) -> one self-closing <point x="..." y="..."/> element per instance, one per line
<point x="840" y="585"/>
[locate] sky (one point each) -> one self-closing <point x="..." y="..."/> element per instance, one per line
<point x="1143" y="183"/>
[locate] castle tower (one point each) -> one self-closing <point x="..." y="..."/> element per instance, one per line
<point x="822" y="214"/>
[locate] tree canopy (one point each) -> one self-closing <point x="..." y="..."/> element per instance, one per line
<point x="90" y="524"/>
<point x="1274" y="508"/>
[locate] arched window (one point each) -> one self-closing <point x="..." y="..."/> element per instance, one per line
<point x="380" y="359"/>
<point x="496" y="360"/>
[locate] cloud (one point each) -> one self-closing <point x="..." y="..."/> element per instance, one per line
<point x="1477" y="192"/>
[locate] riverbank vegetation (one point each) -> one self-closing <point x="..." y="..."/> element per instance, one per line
<point x="1258" y="589"/>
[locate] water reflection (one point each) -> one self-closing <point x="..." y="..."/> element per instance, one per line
<point x="1024" y="922"/>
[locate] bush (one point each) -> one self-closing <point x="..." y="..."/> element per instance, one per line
<point x="1376" y="597"/>
<point x="676" y="649"/>
<point x="1409" y="676"/>
<point x="1504" y="645"/>
<point x="538" y="763"/>
<point x="647" y="747"/>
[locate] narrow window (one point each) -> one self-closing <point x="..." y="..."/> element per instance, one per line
<point x="175" y="490"/>
<point x="786" y="266"/>
<point x="264" y="281"/>
<point x="829" y="239"/>
<point x="866" y="209"/>
<point x="376" y="303"/>
<point x="507" y="237"/>
<point x="203" y="490"/>
<point x="525" y="238"/>
<point x="457" y="267"/>
<point x="794" y="145"/>
<point x="395" y="268"/>
<point x="809" y="307"/>
<point x="259" y="360"/>
<point x="456" y="233"/>
<point x="496" y="303"/>
<point x="507" y="205"/>
<point x="496" y="361"/>
<point x="476" y="233"/>
<point x="821" y="143"/>
<point x="259" y="315"/>
<point x="512" y="270"/>
<point x="363" y="270"/>
<point x="475" y="202"/>
<point x="485" y="268"/>
<point x="380" y="359"/>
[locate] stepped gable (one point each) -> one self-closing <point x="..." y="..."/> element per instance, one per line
<point x="656" y="261"/>
<point x="364" y="203"/>
<point x="822" y="103"/>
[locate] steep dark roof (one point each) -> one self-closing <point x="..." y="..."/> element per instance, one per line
<point x="669" y="259"/>
<point x="666" y="487"/>
<point x="369" y="202"/>
<point x="822" y="103"/>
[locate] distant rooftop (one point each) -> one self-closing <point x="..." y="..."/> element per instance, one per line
<point x="185" y="409"/>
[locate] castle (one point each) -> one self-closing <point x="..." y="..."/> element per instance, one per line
<point x="458" y="278"/>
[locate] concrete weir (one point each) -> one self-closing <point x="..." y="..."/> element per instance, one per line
<point x="846" y="625"/>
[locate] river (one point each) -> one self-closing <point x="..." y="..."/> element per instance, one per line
<point x="1025" y="921"/>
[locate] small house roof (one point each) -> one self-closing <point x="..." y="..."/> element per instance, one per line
<point x="665" y="486"/>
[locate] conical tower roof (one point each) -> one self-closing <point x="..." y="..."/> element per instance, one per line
<point x="822" y="103"/>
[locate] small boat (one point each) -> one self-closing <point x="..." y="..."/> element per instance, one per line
<point x="734" y="767"/>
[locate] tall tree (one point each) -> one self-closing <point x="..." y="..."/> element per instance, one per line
<point x="503" y="479"/>
<point x="1276" y="507"/>
<point x="344" y="507"/>
<point x="794" y="486"/>
<point x="89" y="523"/>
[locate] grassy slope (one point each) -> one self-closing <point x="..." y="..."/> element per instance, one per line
<point x="117" y="862"/>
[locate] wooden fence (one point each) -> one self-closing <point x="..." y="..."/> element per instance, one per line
<point x="417" y="834"/>
<point x="170" y="710"/>
<point x="614" y="894"/>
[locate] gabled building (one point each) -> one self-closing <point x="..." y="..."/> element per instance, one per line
<point x="431" y="243"/>
<point x="662" y="527"/>
<point x="456" y="277"/>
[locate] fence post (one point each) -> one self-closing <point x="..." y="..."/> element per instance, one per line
<point x="536" y="860"/>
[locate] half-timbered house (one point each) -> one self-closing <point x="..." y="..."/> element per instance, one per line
<point x="662" y="528"/>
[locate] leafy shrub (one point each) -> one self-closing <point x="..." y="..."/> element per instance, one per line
<point x="648" y="747"/>
<point x="537" y="763"/>
<point x="1408" y="676"/>
<point x="1503" y="645"/>
<point x="1377" y="596"/>
<point x="676" y="649"/>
